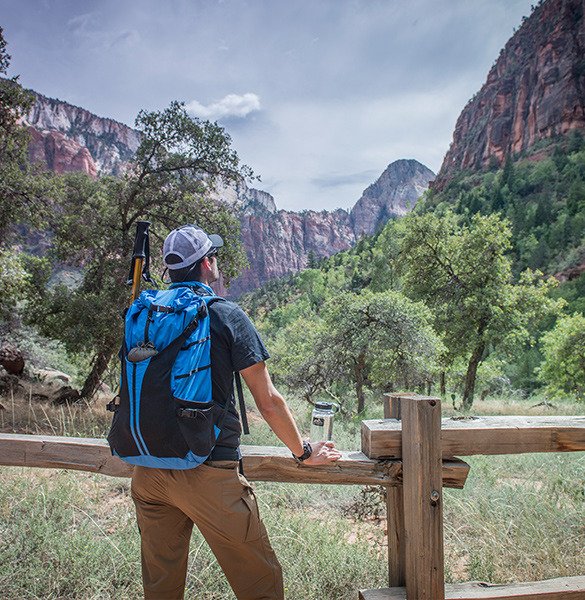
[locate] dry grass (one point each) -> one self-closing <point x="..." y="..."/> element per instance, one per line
<point x="22" y="412"/>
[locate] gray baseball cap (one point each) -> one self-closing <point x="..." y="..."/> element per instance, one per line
<point x="188" y="244"/>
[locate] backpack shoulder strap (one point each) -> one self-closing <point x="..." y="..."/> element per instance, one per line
<point x="243" y="415"/>
<point x="237" y="377"/>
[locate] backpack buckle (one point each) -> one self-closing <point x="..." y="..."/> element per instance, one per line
<point x="114" y="404"/>
<point x="188" y="413"/>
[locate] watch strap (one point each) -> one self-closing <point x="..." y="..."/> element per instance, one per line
<point x="307" y="451"/>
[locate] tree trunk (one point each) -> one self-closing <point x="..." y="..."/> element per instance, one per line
<point x="93" y="380"/>
<point x="471" y="375"/>
<point x="359" y="369"/>
<point x="443" y="384"/>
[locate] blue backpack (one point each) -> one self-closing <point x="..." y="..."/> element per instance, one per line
<point x="164" y="416"/>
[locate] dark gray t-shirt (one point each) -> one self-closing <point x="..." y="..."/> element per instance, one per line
<point x="235" y="345"/>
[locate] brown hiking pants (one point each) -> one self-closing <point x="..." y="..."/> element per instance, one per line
<point x="222" y="504"/>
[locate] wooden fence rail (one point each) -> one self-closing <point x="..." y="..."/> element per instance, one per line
<point x="482" y="435"/>
<point x="261" y="463"/>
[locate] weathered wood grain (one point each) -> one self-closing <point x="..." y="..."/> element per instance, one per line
<point x="395" y="511"/>
<point x="261" y="463"/>
<point x="396" y="536"/>
<point x="564" y="588"/>
<point x="392" y="403"/>
<point x="482" y="435"/>
<point x="423" y="498"/>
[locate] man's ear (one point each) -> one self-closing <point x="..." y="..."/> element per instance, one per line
<point x="206" y="263"/>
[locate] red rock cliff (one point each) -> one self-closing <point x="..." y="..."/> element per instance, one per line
<point x="534" y="91"/>
<point x="68" y="138"/>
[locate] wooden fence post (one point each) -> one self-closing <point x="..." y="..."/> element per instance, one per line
<point x="394" y="511"/>
<point x="423" y="498"/>
<point x="392" y="404"/>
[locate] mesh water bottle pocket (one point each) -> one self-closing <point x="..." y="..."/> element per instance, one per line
<point x="197" y="422"/>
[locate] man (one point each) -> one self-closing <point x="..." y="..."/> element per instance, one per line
<point x="215" y="496"/>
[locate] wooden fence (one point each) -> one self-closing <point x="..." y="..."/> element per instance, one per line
<point x="412" y="453"/>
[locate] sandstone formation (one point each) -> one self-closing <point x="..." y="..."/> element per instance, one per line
<point x="53" y="150"/>
<point x="67" y="138"/>
<point x="281" y="242"/>
<point x="534" y="91"/>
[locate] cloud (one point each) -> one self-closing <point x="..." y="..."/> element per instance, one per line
<point x="125" y="38"/>
<point x="232" y="105"/>
<point x="87" y="27"/>
<point x="80" y="23"/>
<point x="339" y="180"/>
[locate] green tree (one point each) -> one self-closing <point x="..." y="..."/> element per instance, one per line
<point x="22" y="197"/>
<point x="22" y="193"/>
<point x="14" y="277"/>
<point x="293" y="357"/>
<point x="367" y="340"/>
<point x="462" y="272"/>
<point x="172" y="180"/>
<point x="563" y="368"/>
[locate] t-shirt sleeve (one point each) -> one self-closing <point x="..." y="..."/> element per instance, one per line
<point x="246" y="346"/>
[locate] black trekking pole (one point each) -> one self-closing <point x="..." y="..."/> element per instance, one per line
<point x="140" y="265"/>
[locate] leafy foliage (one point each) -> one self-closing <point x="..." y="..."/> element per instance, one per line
<point x="22" y="192"/>
<point x="543" y="200"/>
<point x="563" y="368"/>
<point x="457" y="268"/>
<point x="13" y="278"/>
<point x="376" y="339"/>
<point x="462" y="272"/>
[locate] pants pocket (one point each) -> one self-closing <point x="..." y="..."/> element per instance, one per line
<point x="253" y="529"/>
<point x="242" y="519"/>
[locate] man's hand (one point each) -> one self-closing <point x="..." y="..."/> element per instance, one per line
<point x="324" y="453"/>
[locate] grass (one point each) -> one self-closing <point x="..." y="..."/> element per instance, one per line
<point x="519" y="518"/>
<point x="72" y="535"/>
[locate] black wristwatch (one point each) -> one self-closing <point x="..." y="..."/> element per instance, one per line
<point x="307" y="451"/>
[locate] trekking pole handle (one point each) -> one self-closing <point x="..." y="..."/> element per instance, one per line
<point x="141" y="239"/>
<point x="139" y="256"/>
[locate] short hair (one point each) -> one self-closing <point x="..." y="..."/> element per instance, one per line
<point x="190" y="273"/>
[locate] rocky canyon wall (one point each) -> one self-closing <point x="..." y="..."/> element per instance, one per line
<point x="534" y="91"/>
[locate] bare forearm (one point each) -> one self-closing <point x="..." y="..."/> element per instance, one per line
<point x="276" y="413"/>
<point x="278" y="416"/>
<point x="273" y="407"/>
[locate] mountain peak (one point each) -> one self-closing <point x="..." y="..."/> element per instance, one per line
<point x="392" y="195"/>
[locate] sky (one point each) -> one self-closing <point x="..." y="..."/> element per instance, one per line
<point x="319" y="96"/>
